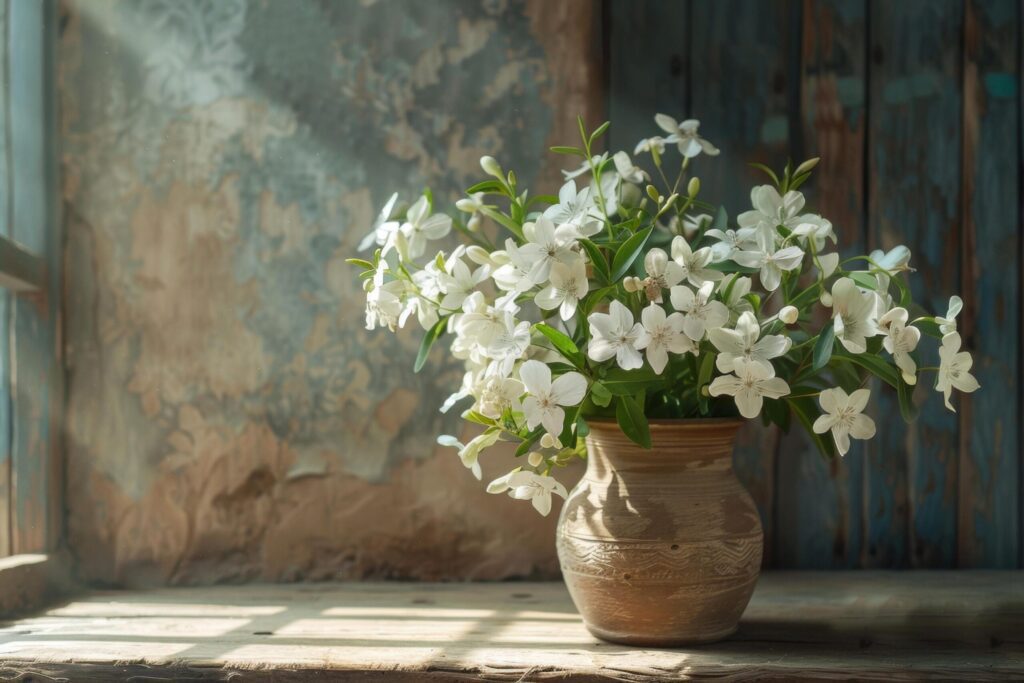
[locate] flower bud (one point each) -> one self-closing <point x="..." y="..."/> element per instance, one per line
<point x="630" y="196"/>
<point x="671" y="200"/>
<point x="466" y="205"/>
<point x="789" y="314"/>
<point x="693" y="187"/>
<point x="549" y="441"/>
<point x="632" y="284"/>
<point x="512" y="178"/>
<point x="491" y="166"/>
<point x="478" y="255"/>
<point x="534" y="458"/>
<point x="826" y="299"/>
<point x="652" y="192"/>
<point x="806" y="166"/>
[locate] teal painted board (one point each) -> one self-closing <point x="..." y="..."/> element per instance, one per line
<point x="648" y="67"/>
<point x="988" y="533"/>
<point x="34" y="316"/>
<point x="5" y="151"/>
<point x="914" y="144"/>
<point x="745" y="92"/>
<point x="821" y="502"/>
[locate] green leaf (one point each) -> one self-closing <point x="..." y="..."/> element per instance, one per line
<point x="528" y="442"/>
<point x="905" y="393"/>
<point x="600" y="394"/>
<point x="707" y="366"/>
<point x="487" y="186"/>
<point x="630" y="415"/>
<point x="598" y="259"/>
<point x="823" y="347"/>
<point x="572" y="151"/>
<point x="865" y="280"/>
<point x="601" y="130"/>
<point x="428" y="340"/>
<point x="582" y="428"/>
<point x="873" y="364"/>
<point x="542" y="199"/>
<point x="627" y="253"/>
<point x="721" y="219"/>
<point x="562" y="344"/>
<point x="806" y="411"/>
<point x="929" y="327"/>
<point x="473" y="416"/>
<point x="504" y="220"/>
<point x="770" y="172"/>
<point x="732" y="267"/>
<point x="629" y="382"/>
<point x="362" y="263"/>
<point x="566" y="437"/>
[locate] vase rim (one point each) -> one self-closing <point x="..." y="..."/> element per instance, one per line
<point x="674" y="421"/>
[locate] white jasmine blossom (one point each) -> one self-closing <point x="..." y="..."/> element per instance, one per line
<point x="655" y="143"/>
<point x="510" y="344"/>
<point x="470" y="453"/>
<point x="815" y="231"/>
<point x="733" y="290"/>
<point x="750" y="384"/>
<point x="661" y="274"/>
<point x="526" y="485"/>
<point x="844" y="417"/>
<point x="627" y="170"/>
<point x="383" y="227"/>
<point x="572" y="206"/>
<point x="685" y="136"/>
<point x="954" y="369"/>
<point x="543" y="405"/>
<point x="770" y="260"/>
<point x="585" y="167"/>
<point x="498" y="394"/>
<point x="568" y="284"/>
<point x="900" y="341"/>
<point x="700" y="312"/>
<point x="743" y="343"/>
<point x="418" y="228"/>
<point x="853" y="315"/>
<point x="545" y="246"/>
<point x="730" y="241"/>
<point x="614" y="335"/>
<point x="458" y="282"/>
<point x="694" y="263"/>
<point x="664" y="334"/>
<point x="772" y="210"/>
<point x="947" y="324"/>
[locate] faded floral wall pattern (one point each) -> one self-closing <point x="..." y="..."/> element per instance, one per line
<point x="228" y="415"/>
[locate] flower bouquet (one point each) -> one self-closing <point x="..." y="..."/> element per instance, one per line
<point x="628" y="297"/>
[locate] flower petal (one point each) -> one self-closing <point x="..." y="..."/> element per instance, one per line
<point x="568" y="389"/>
<point x="536" y="377"/>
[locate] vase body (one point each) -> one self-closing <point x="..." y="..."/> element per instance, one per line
<point x="661" y="547"/>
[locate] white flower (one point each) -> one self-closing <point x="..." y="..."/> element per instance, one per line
<point x="472" y="205"/>
<point x="947" y="324"/>
<point x="853" y="312"/>
<point x="383" y="300"/>
<point x="893" y="261"/>
<point x="458" y="282"/>
<point x="572" y="206"/>
<point x="418" y="228"/>
<point x="772" y="210"/>
<point x="751" y="383"/>
<point x="513" y="275"/>
<point x="954" y="369"/>
<point x="789" y="314"/>
<point x="479" y="323"/>
<point x="652" y="143"/>
<point x="844" y="415"/>
<point x="510" y="344"/>
<point x="661" y="274"/>
<point x="469" y="453"/>
<point x="543" y="405"/>
<point x="771" y="261"/>
<point x="627" y="170"/>
<point x="613" y="334"/>
<point x="568" y="285"/>
<point x="730" y="241"/>
<point x="743" y="344"/>
<point x="383" y="226"/>
<point x="498" y="394"/>
<point x="545" y="246"/>
<point x="815" y="230"/>
<point x="526" y="485"/>
<point x="700" y="313"/>
<point x="694" y="263"/>
<point x="664" y="334"/>
<point x="900" y="340"/>
<point x="585" y="167"/>
<point x="828" y="263"/>
<point x="685" y="135"/>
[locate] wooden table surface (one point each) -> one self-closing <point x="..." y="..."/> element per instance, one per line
<point x="867" y="625"/>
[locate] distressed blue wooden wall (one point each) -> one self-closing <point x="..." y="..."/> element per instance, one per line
<point x="915" y="108"/>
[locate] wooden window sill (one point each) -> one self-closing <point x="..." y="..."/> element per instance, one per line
<point x="959" y="625"/>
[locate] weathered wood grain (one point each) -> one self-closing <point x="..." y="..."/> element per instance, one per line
<point x="864" y="625"/>
<point x="821" y="500"/>
<point x="648" y="67"/>
<point x="988" y="531"/>
<point x="745" y="92"/>
<point x="914" y="162"/>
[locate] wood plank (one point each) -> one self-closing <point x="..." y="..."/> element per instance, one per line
<point x="988" y="514"/>
<point x="823" y="499"/>
<point x="646" y="75"/>
<point x="745" y="92"/>
<point x="914" y="169"/>
<point x="800" y="625"/>
<point x="35" y="373"/>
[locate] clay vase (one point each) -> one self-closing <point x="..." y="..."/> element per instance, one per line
<point x="661" y="547"/>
